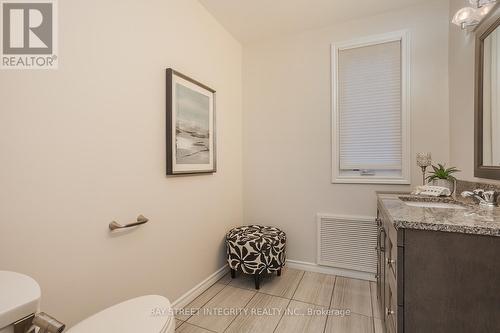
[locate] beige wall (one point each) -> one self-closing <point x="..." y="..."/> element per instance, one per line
<point x="85" y="144"/>
<point x="461" y="72"/>
<point x="286" y="84"/>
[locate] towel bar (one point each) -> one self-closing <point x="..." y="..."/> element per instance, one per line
<point x="140" y="220"/>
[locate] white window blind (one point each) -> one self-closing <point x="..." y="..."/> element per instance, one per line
<point x="370" y="107"/>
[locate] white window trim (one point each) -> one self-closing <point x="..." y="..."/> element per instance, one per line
<point x="404" y="179"/>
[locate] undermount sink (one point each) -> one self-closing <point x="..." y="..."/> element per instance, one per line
<point x="424" y="204"/>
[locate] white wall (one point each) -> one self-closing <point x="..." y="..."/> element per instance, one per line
<point x="85" y="144"/>
<point x="286" y="100"/>
<point x="461" y="72"/>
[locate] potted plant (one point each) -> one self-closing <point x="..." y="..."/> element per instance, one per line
<point x="443" y="177"/>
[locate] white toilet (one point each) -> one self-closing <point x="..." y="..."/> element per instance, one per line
<point x="20" y="299"/>
<point x="145" y="314"/>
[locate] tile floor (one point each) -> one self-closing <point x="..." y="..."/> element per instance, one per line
<point x="297" y="301"/>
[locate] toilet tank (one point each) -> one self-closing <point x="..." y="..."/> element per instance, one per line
<point x="19" y="298"/>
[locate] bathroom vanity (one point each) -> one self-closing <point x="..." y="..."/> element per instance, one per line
<point x="438" y="265"/>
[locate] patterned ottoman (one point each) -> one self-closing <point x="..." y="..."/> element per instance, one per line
<point x="255" y="249"/>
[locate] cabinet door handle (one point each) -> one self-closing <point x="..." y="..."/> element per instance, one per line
<point x="389" y="312"/>
<point x="382" y="239"/>
<point x="390" y="261"/>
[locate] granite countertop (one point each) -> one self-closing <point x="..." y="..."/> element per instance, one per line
<point x="469" y="218"/>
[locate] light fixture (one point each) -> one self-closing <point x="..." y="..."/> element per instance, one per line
<point x="465" y="17"/>
<point x="471" y="16"/>
<point x="423" y="161"/>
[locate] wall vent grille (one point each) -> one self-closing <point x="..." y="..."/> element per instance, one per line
<point x="347" y="242"/>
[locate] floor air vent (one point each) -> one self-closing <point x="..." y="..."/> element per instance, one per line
<point x="347" y="242"/>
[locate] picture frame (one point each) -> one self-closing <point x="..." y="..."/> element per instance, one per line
<point x="190" y="124"/>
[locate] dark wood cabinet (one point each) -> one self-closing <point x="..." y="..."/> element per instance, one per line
<point x="432" y="281"/>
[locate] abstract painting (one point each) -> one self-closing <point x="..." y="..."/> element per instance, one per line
<point x="190" y="125"/>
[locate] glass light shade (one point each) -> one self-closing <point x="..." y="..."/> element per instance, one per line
<point x="424" y="159"/>
<point x="480" y="3"/>
<point x="483" y="10"/>
<point x="465" y="16"/>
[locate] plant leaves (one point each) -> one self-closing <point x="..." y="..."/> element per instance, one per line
<point x="441" y="172"/>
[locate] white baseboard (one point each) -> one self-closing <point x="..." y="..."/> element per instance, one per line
<point x="197" y="290"/>
<point x="312" y="267"/>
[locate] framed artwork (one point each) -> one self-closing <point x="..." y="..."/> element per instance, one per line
<point x="190" y="126"/>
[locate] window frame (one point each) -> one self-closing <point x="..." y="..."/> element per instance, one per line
<point x="355" y="178"/>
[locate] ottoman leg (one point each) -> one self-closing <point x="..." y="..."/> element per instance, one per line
<point x="279" y="272"/>
<point x="257" y="281"/>
<point x="233" y="273"/>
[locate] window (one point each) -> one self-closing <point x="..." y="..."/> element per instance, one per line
<point x="370" y="116"/>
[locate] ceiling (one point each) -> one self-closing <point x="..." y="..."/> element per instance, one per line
<point x="251" y="20"/>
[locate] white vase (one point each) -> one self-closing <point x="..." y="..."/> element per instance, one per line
<point x="450" y="184"/>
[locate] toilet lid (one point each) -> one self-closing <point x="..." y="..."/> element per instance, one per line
<point x="146" y="314"/>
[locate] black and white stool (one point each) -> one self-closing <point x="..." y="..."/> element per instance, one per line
<point x="256" y="249"/>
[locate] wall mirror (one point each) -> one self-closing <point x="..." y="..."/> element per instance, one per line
<point x="487" y="98"/>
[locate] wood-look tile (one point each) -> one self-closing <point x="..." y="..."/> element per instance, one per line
<point x="377" y="311"/>
<point x="221" y="310"/>
<point x="271" y="284"/>
<point x="352" y="294"/>
<point x="379" y="325"/>
<point x="284" y="285"/>
<point x="353" y="323"/>
<point x="199" y="301"/>
<point x="188" y="328"/>
<point x="225" y="279"/>
<point x="302" y="317"/>
<point x="246" y="281"/>
<point x="261" y="315"/>
<point x="315" y="288"/>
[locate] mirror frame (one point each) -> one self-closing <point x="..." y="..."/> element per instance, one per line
<point x="491" y="22"/>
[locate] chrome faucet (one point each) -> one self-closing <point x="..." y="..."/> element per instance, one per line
<point x="485" y="198"/>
